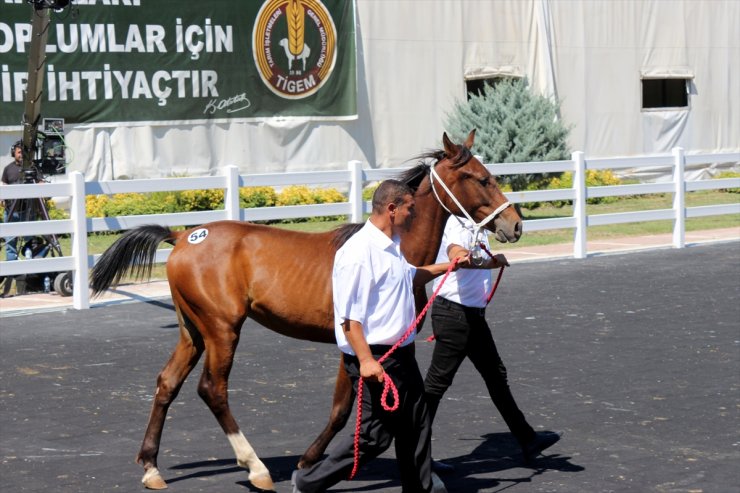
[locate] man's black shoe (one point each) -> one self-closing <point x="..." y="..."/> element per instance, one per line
<point x="442" y="468"/>
<point x="541" y="441"/>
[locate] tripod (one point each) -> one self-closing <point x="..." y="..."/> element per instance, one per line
<point x="22" y="210"/>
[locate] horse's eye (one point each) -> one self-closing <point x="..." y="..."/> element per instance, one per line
<point x="484" y="182"/>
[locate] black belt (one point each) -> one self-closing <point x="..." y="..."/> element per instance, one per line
<point x="481" y="312"/>
<point x="379" y="350"/>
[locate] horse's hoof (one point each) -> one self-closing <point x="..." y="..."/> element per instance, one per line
<point x="262" y="481"/>
<point x="153" y="481"/>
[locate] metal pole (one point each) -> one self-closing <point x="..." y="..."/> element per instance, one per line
<point x="35" y="86"/>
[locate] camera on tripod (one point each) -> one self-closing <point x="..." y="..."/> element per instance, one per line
<point x="30" y="176"/>
<point x="50" y="154"/>
<point x="47" y="155"/>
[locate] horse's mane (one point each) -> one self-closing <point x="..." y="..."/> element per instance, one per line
<point x="411" y="177"/>
<point x="463" y="156"/>
<point x="426" y="161"/>
<point x="344" y="232"/>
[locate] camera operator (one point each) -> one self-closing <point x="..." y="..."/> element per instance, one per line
<point x="22" y="209"/>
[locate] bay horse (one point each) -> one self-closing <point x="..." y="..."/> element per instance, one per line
<point x="223" y="272"/>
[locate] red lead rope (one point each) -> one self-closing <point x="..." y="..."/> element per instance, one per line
<point x="498" y="278"/>
<point x="388" y="385"/>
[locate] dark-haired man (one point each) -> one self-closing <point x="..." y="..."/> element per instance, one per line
<point x="12" y="174"/>
<point x="373" y="308"/>
<point x="461" y="331"/>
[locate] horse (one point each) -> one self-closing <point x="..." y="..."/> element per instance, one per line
<point x="223" y="272"/>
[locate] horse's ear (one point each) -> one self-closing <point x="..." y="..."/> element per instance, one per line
<point x="450" y="147"/>
<point x="471" y="138"/>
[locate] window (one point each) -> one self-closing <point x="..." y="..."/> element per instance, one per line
<point x="475" y="86"/>
<point x="665" y="93"/>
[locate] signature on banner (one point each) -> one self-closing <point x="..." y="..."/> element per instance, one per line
<point x="231" y="104"/>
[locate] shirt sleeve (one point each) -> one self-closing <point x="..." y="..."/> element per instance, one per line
<point x="455" y="233"/>
<point x="352" y="291"/>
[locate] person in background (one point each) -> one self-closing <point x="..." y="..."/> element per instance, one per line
<point x="13" y="174"/>
<point x="461" y="331"/>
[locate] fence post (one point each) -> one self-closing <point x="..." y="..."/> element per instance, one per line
<point x="231" y="194"/>
<point x="679" y="198"/>
<point x="81" y="279"/>
<point x="355" y="191"/>
<point x="579" y="204"/>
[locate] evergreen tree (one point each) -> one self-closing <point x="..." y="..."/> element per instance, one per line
<point x="513" y="125"/>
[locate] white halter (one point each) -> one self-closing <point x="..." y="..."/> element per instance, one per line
<point x="477" y="227"/>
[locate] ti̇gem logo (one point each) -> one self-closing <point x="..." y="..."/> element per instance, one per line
<point x="294" y="46"/>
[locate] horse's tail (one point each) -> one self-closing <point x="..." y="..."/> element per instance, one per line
<point x="132" y="253"/>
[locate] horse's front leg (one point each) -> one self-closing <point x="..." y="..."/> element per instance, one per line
<point x="213" y="389"/>
<point x="341" y="408"/>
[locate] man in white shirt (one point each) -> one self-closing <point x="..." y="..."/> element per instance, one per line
<point x="461" y="330"/>
<point x="373" y="308"/>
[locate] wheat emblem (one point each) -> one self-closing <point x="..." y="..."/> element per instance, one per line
<point x="296" y="15"/>
<point x="294" y="45"/>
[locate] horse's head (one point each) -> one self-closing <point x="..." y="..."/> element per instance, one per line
<point x="462" y="181"/>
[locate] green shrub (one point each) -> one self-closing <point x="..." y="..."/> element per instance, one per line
<point x="728" y="174"/>
<point x="198" y="200"/>
<point x="328" y="196"/>
<point x="257" y="197"/>
<point x="302" y="195"/>
<point x="513" y="125"/>
<point x="367" y="193"/>
<point x="130" y="204"/>
<point x="134" y="204"/>
<point x="295" y="195"/>
<point x="95" y="205"/>
<point x="54" y="212"/>
<point x="594" y="178"/>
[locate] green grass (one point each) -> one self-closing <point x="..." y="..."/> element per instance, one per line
<point x="629" y="204"/>
<point x="99" y="242"/>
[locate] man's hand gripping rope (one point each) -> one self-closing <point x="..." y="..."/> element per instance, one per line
<point x="388" y="385"/>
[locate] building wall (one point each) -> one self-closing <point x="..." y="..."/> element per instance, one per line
<point x="413" y="58"/>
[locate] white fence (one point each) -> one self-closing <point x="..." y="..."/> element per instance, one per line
<point x="79" y="261"/>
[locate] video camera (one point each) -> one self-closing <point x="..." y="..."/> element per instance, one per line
<point x="50" y="155"/>
<point x="49" y="152"/>
<point x="30" y="176"/>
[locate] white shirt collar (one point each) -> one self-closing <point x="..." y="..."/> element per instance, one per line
<point x="380" y="239"/>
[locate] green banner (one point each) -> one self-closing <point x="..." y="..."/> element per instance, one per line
<point x="166" y="61"/>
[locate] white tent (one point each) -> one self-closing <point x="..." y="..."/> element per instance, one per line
<point x="414" y="57"/>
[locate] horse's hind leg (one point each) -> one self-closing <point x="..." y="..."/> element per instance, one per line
<point x="170" y="380"/>
<point x="213" y="389"/>
<point x="340" y="410"/>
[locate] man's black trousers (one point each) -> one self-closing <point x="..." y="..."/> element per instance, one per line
<point x="408" y="426"/>
<point x="462" y="332"/>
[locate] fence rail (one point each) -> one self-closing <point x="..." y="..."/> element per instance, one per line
<point x="79" y="226"/>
